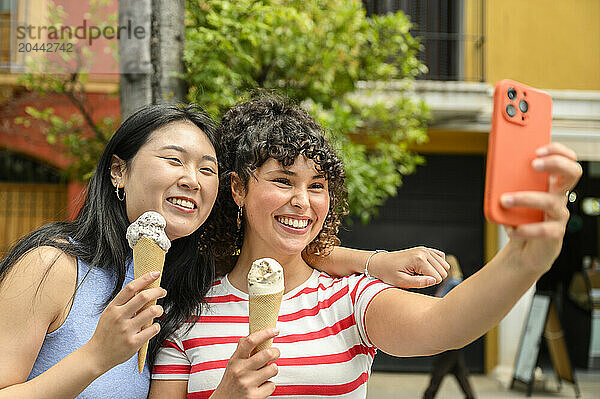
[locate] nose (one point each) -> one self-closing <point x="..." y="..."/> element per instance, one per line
<point x="190" y="181"/>
<point x="300" y="199"/>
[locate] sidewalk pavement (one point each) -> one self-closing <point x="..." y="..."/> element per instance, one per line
<point x="383" y="385"/>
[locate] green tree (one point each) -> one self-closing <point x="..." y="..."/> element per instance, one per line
<point x="317" y="52"/>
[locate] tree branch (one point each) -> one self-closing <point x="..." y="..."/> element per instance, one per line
<point x="70" y="92"/>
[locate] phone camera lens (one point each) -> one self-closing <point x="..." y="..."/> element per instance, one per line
<point x="511" y="110"/>
<point x="523" y="106"/>
<point x="512" y="93"/>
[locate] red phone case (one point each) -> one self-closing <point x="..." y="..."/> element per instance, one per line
<point x="512" y="144"/>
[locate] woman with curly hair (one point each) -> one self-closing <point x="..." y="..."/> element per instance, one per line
<point x="286" y="197"/>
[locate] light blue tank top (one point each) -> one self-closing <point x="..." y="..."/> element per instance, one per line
<point x="122" y="381"/>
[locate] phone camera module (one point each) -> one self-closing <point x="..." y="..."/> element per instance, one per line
<point x="523" y="106"/>
<point x="511" y="110"/>
<point x="512" y="93"/>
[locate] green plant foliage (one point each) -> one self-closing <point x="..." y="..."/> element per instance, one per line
<point x="317" y="52"/>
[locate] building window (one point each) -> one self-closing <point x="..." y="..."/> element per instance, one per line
<point x="5" y="32"/>
<point x="12" y="13"/>
<point x="452" y="36"/>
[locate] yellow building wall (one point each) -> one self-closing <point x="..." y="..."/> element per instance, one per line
<point x="474" y="40"/>
<point x="551" y="44"/>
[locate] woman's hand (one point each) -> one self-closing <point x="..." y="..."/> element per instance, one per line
<point x="119" y="334"/>
<point x="538" y="244"/>
<point x="248" y="376"/>
<point x="410" y="268"/>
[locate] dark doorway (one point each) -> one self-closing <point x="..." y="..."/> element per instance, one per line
<point x="440" y="206"/>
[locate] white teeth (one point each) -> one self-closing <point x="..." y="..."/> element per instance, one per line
<point x="182" y="202"/>
<point x="298" y="224"/>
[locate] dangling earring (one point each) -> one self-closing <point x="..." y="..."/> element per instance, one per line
<point x="237" y="246"/>
<point x="117" y="192"/>
<point x="239" y="218"/>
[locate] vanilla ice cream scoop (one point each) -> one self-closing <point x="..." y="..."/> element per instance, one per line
<point x="150" y="225"/>
<point x="265" y="277"/>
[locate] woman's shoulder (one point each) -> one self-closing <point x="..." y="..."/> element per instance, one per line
<point x="46" y="270"/>
<point x="47" y="260"/>
<point x="352" y="286"/>
<point x="351" y="279"/>
<point x="324" y="283"/>
<point x="44" y="279"/>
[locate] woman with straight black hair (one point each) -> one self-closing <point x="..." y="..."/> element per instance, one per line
<point x="70" y="323"/>
<point x="66" y="289"/>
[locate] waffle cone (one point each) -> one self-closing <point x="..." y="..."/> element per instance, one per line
<point x="263" y="312"/>
<point x="147" y="257"/>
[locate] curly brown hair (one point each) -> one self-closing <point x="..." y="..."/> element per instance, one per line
<point x="270" y="126"/>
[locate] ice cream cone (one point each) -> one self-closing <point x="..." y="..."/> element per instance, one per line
<point x="147" y="238"/>
<point x="265" y="292"/>
<point x="147" y="257"/>
<point x="263" y="312"/>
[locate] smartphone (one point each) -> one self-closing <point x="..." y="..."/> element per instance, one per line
<point x="521" y="123"/>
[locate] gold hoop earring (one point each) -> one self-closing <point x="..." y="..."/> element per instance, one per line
<point x="117" y="192"/>
<point x="239" y="218"/>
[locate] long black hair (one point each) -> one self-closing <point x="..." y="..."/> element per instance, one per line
<point x="97" y="235"/>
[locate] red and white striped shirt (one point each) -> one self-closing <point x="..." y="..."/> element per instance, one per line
<point x="324" y="347"/>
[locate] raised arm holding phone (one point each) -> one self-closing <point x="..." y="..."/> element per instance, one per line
<point x="287" y="186"/>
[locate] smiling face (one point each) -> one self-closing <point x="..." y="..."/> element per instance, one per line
<point x="175" y="174"/>
<point x="284" y="207"/>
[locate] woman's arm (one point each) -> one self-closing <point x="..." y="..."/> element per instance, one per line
<point x="33" y="302"/>
<point x="168" y="389"/>
<point x="410" y="268"/>
<point x="409" y="324"/>
<point x="404" y="323"/>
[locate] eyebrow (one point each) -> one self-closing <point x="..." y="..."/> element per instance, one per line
<point x="209" y="158"/>
<point x="174" y="147"/>
<point x="205" y="157"/>
<point x="290" y="173"/>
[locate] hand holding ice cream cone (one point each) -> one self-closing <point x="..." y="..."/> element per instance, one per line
<point x="150" y="244"/>
<point x="119" y="332"/>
